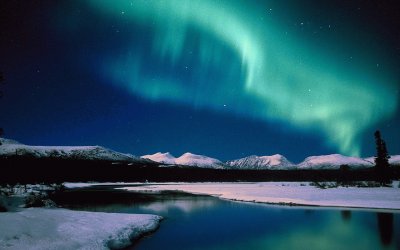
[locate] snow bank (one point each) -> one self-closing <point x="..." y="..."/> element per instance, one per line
<point x="90" y="184"/>
<point x="290" y="193"/>
<point x="39" y="228"/>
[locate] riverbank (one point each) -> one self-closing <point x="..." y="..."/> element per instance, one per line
<point x="56" y="228"/>
<point x="189" y="219"/>
<point x="288" y="193"/>
<point x="40" y="228"/>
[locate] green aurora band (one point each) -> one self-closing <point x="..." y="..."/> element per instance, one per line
<point x="280" y="77"/>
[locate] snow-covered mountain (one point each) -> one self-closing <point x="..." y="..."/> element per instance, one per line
<point x="159" y="157"/>
<point x="333" y="161"/>
<point x="273" y="162"/>
<point x="187" y="159"/>
<point x="370" y="159"/>
<point x="394" y="160"/>
<point x="12" y="148"/>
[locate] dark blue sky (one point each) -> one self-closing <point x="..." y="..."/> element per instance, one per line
<point x="225" y="79"/>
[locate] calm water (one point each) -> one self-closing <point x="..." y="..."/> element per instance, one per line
<point x="202" y="222"/>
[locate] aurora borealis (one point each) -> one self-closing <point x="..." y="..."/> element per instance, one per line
<point x="322" y="76"/>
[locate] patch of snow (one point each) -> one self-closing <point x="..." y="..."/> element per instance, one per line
<point x="90" y="184"/>
<point x="333" y="161"/>
<point x="274" y="162"/>
<point x="38" y="228"/>
<point x="289" y="193"/>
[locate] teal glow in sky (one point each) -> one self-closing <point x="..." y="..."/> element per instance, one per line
<point x="237" y="60"/>
<point x="222" y="78"/>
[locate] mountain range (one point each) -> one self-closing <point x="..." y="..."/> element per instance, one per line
<point x="13" y="148"/>
<point x="10" y="148"/>
<point x="273" y="162"/>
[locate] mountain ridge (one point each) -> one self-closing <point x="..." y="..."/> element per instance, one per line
<point x="273" y="162"/>
<point x="13" y="148"/>
<point x="10" y="148"/>
<point x="186" y="159"/>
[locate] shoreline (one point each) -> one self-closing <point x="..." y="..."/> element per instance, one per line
<point x="69" y="229"/>
<point x="288" y="194"/>
<point x="305" y="206"/>
<point x="285" y="204"/>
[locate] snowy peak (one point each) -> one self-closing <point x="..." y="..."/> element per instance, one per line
<point x="159" y="157"/>
<point x="13" y="148"/>
<point x="333" y="161"/>
<point x="273" y="162"/>
<point x="187" y="159"/>
<point x="190" y="159"/>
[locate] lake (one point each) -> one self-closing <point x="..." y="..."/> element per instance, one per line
<point x="204" y="222"/>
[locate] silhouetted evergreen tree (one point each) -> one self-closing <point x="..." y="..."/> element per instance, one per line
<point x="381" y="159"/>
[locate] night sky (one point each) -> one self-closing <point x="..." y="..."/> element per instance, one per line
<point x="221" y="78"/>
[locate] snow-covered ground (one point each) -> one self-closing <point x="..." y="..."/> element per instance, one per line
<point x="89" y="184"/>
<point x="43" y="228"/>
<point x="39" y="228"/>
<point x="289" y="193"/>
